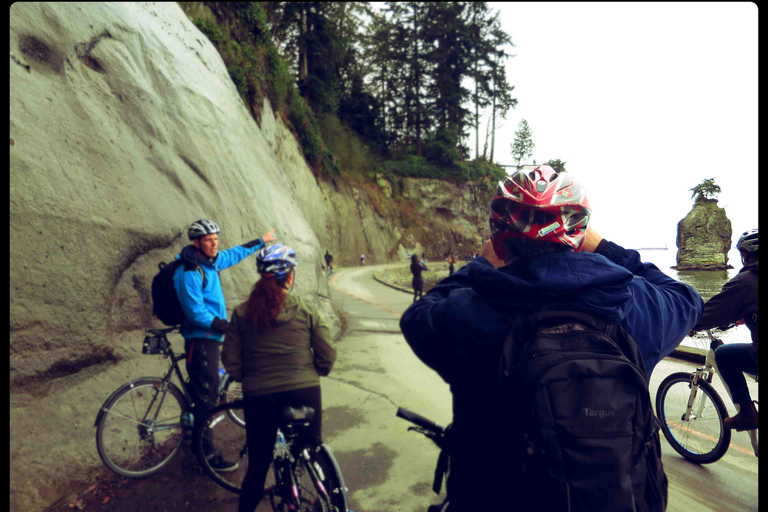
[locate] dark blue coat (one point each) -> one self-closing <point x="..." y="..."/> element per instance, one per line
<point x="456" y="331"/>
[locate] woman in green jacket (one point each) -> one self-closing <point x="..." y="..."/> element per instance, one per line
<point x="278" y="346"/>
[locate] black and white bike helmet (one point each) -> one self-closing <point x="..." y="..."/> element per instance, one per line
<point x="748" y="241"/>
<point x="201" y="228"/>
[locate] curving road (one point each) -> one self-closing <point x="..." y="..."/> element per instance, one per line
<point x="390" y="469"/>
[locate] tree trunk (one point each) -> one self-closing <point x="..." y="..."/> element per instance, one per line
<point x="303" y="48"/>
<point x="417" y="94"/>
<point x="493" y="124"/>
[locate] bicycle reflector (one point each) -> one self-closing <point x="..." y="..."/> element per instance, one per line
<point x="154" y="345"/>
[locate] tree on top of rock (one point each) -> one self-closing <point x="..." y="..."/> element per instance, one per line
<point x="707" y="189"/>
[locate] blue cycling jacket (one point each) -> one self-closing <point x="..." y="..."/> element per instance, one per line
<point x="202" y="305"/>
<point x="459" y="327"/>
<point x="456" y="318"/>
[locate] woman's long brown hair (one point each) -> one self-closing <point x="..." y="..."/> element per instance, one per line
<point x="265" y="302"/>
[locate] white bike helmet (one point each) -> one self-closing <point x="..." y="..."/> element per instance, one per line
<point x="201" y="228"/>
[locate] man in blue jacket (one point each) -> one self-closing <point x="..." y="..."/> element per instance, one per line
<point x="199" y="290"/>
<point x="542" y="256"/>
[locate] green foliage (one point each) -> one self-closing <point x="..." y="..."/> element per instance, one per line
<point x="707" y="189"/>
<point x="352" y="154"/>
<point x="557" y="165"/>
<point x="211" y="31"/>
<point x="280" y="79"/>
<point x="442" y="148"/>
<point x="237" y="75"/>
<point x="419" y="167"/>
<point x="523" y="145"/>
<point x="253" y="17"/>
<point x="304" y="122"/>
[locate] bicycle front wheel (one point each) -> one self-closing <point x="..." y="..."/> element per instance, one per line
<point x="140" y="428"/>
<point x="232" y="391"/>
<point x="701" y="437"/>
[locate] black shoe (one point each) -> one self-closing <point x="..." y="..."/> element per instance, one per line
<point x="745" y="419"/>
<point x="218" y="463"/>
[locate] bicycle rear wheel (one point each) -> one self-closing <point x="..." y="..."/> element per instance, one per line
<point x="140" y="428"/>
<point x="331" y="477"/>
<point x="702" y="438"/>
<point x="307" y="495"/>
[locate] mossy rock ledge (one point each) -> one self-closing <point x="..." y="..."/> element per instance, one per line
<point x="704" y="237"/>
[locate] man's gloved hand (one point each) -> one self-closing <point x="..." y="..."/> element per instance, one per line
<point x="253" y="243"/>
<point x="219" y="324"/>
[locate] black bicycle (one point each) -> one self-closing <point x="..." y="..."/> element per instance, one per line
<point x="439" y="435"/>
<point x="141" y="426"/>
<point x="304" y="475"/>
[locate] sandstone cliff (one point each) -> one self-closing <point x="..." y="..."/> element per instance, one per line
<point x="125" y="127"/>
<point x="704" y="238"/>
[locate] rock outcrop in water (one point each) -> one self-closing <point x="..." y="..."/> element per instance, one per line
<point x="704" y="237"/>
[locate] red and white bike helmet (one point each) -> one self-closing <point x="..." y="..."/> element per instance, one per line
<point x="539" y="206"/>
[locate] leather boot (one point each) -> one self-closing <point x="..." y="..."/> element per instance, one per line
<point x="746" y="419"/>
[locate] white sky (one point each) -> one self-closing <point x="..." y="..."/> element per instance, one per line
<point x="642" y="101"/>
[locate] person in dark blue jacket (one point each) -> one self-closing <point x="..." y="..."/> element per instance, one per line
<point x="205" y="314"/>
<point x="542" y="256"/>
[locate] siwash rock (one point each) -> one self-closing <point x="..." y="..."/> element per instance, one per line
<point x="704" y="237"/>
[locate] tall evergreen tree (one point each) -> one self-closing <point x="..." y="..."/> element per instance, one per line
<point x="523" y="145"/>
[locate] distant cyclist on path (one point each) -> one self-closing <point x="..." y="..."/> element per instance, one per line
<point x="206" y="314"/>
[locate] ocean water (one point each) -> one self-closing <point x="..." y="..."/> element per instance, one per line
<point x="707" y="283"/>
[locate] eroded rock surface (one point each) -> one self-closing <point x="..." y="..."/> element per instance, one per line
<point x="125" y="127"/>
<point x="704" y="238"/>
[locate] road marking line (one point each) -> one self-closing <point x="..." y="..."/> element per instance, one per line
<point x="710" y="438"/>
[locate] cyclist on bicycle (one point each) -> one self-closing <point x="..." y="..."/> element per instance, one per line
<point x="205" y="313"/>
<point x="279" y="346"/>
<point x="542" y="256"/>
<point x="737" y="302"/>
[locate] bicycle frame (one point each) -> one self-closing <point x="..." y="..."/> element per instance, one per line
<point x="710" y="366"/>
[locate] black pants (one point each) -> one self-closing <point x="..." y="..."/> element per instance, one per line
<point x="261" y="423"/>
<point x="203" y="371"/>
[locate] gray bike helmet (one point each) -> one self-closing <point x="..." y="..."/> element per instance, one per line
<point x="748" y="241"/>
<point x="201" y="228"/>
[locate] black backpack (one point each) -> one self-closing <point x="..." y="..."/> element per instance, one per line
<point x="165" y="301"/>
<point x="583" y="435"/>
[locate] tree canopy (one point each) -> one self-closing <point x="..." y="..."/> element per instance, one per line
<point x="523" y="145"/>
<point x="707" y="189"/>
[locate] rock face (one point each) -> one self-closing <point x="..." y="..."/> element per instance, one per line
<point x="125" y="127"/>
<point x="704" y="238"/>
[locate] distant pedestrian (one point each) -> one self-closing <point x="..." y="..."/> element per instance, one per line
<point x="362" y="259"/>
<point x="451" y="263"/>
<point x="329" y="261"/>
<point x="417" y="267"/>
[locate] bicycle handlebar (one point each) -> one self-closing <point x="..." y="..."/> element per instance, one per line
<point x="419" y="420"/>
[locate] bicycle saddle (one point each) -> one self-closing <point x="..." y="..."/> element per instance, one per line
<point x="297" y="414"/>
